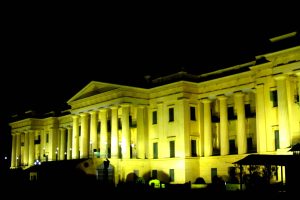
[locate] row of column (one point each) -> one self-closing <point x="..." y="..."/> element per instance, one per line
<point x="82" y="146"/>
<point x="224" y="135"/>
<point x="29" y="153"/>
<point x="88" y="140"/>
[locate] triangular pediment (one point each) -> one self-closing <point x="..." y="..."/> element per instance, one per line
<point x="92" y="89"/>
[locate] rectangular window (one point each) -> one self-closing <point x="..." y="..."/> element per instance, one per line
<point x="231" y="115"/>
<point x="171" y="114"/>
<point x="232" y="148"/>
<point x="38" y="140"/>
<point x="172" y="149"/>
<point x="155" y="150"/>
<point x="47" y="138"/>
<point x="249" y="145"/>
<point x="79" y="130"/>
<point x="194" y="148"/>
<point x="119" y="123"/>
<point x="277" y="139"/>
<point x="193" y="113"/>
<point x="108" y="125"/>
<point x="172" y="175"/>
<point x="120" y="151"/>
<point x="297" y="98"/>
<point x="214" y="173"/>
<point x="130" y="121"/>
<point x="248" y="111"/>
<point x="154" y="117"/>
<point x="273" y="97"/>
<point x="98" y="127"/>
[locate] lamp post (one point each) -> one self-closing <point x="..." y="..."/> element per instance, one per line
<point x="65" y="155"/>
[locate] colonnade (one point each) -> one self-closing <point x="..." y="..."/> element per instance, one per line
<point x="81" y="138"/>
<point x="224" y="135"/>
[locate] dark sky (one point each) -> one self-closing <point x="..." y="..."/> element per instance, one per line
<point x="50" y="54"/>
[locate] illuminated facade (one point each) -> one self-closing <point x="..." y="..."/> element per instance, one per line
<point x="177" y="131"/>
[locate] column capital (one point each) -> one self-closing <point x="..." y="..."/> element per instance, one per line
<point x="280" y="77"/>
<point x="141" y="106"/>
<point x="93" y="112"/>
<point x="103" y="109"/>
<point x="83" y="114"/>
<point x="205" y="100"/>
<point x="238" y="94"/>
<point x="125" y="105"/>
<point x="222" y="97"/>
<point x="75" y="116"/>
<point x="113" y="107"/>
<point x="32" y="131"/>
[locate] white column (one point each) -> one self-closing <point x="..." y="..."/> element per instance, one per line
<point x="93" y="127"/>
<point x="13" y="151"/>
<point x="31" y="148"/>
<point x="125" y="131"/>
<point x="69" y="145"/>
<point x="141" y="124"/>
<point x="84" y="139"/>
<point x="283" y="116"/>
<point x="62" y="148"/>
<point x="261" y="131"/>
<point x="43" y="145"/>
<point x="26" y="147"/>
<point x="52" y="144"/>
<point x="224" y="136"/>
<point x="183" y="143"/>
<point x="201" y="129"/>
<point x="18" y="148"/>
<point x="75" y="138"/>
<point x="208" y="149"/>
<point x="114" y="132"/>
<point x="241" y="122"/>
<point x="298" y="74"/>
<point x="103" y="133"/>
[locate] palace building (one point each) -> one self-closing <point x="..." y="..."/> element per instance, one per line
<point x="178" y="128"/>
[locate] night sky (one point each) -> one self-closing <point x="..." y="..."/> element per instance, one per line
<point x="49" y="55"/>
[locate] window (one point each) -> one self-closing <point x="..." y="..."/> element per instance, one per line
<point x="119" y="123"/>
<point x="155" y="150"/>
<point x="172" y="149"/>
<point x="249" y="145"/>
<point x="108" y="125"/>
<point x="248" y="111"/>
<point x="98" y="127"/>
<point x="231" y="115"/>
<point x="193" y="148"/>
<point x="47" y="138"/>
<point x="172" y="175"/>
<point x="297" y="99"/>
<point x="273" y="97"/>
<point x="232" y="148"/>
<point x="130" y="121"/>
<point x="214" y="174"/>
<point x="38" y="140"/>
<point x="276" y="139"/>
<point x="79" y="130"/>
<point x="171" y="114"/>
<point x="154" y="117"/>
<point x="193" y="113"/>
